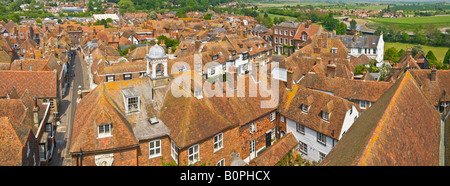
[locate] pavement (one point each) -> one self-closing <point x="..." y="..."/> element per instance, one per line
<point x="61" y="156"/>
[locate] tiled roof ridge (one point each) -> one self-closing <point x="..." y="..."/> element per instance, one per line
<point x="375" y="133"/>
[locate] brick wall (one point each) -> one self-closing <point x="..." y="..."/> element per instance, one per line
<point x="263" y="125"/>
<point x="124" y="157"/>
<point x="207" y="154"/>
<point x="143" y="153"/>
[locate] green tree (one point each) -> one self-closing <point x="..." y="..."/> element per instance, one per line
<point x="353" y="25"/>
<point x="391" y="54"/>
<point x="341" y="29"/>
<point x="430" y="56"/>
<point x="447" y="57"/>
<point x="126" y="6"/>
<point x="207" y="16"/>
<point x="14" y="6"/>
<point x="400" y="53"/>
<point x="405" y="37"/>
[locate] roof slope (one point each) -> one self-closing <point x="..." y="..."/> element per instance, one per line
<point x="290" y="107"/>
<point x="40" y="83"/>
<point x="401" y="128"/>
<point x="276" y="152"/>
<point x="13" y="136"/>
<point x="98" y="108"/>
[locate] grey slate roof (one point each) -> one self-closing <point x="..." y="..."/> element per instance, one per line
<point x="368" y="41"/>
<point x="143" y="129"/>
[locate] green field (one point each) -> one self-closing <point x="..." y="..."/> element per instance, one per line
<point x="439" y="52"/>
<point x="410" y="23"/>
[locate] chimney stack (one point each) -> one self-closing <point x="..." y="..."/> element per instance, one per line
<point x="255" y="69"/>
<point x="433" y="73"/>
<point x="35" y="112"/>
<point x="289" y="80"/>
<point x="198" y="44"/>
<point x="331" y="69"/>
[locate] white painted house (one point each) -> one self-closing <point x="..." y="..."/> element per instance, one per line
<point x="370" y="45"/>
<point x="318" y="120"/>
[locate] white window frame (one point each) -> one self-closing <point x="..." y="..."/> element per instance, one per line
<point x="156" y="147"/>
<point x="174" y="151"/>
<point x="302" y="147"/>
<point x="218" y="142"/>
<point x="221" y="162"/>
<point x="194" y="154"/>
<point x="305" y="108"/>
<point x="285" y="32"/>
<point x="334" y="50"/>
<point x="276" y="31"/>
<point x="321" y="138"/>
<point x="252" y="146"/>
<point x="127" y="76"/>
<point x="321" y="156"/>
<point x="362" y="104"/>
<point x="252" y="127"/>
<point x="132" y="109"/>
<point x="292" y="33"/>
<point x="102" y="133"/>
<point x="325" y="116"/>
<point x="300" y="128"/>
<point x="272" y="116"/>
<point x="110" y="78"/>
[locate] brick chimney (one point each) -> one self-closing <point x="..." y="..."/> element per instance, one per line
<point x="308" y="23"/>
<point x="325" y="40"/>
<point x="255" y="70"/>
<point x="35" y="112"/>
<point x="331" y="69"/>
<point x="433" y="73"/>
<point x="289" y="80"/>
<point x="198" y="44"/>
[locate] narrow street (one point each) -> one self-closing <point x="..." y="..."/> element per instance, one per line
<point x="61" y="156"/>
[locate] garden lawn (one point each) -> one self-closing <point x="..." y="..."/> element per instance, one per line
<point x="410" y="23"/>
<point x="439" y="52"/>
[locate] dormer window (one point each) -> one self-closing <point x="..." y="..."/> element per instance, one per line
<point x="325" y="116"/>
<point x="131" y="100"/>
<point x="133" y="104"/>
<point x="334" y="50"/>
<point x="215" y="57"/>
<point x="305" y="108"/>
<point x="233" y="52"/>
<point x="241" y="45"/>
<point x="198" y="94"/>
<point x="104" y="130"/>
<point x="250" y="48"/>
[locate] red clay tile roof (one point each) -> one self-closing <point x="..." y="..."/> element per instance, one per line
<point x="43" y="84"/>
<point x="275" y="153"/>
<point x="192" y="120"/>
<point x="401" y="128"/>
<point x="13" y="138"/>
<point x="346" y="88"/>
<point x="434" y="91"/>
<point x="291" y="103"/>
<point x="95" y="109"/>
